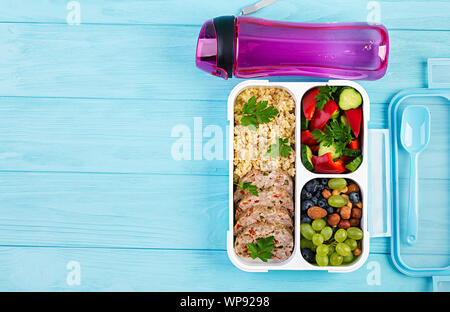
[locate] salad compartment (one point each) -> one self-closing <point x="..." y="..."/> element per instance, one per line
<point x="271" y="167"/>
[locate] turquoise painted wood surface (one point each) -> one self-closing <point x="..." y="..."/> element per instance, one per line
<point x="88" y="117"/>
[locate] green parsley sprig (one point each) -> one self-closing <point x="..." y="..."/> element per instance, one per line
<point x="325" y="94"/>
<point x="281" y="147"/>
<point x="262" y="249"/>
<point x="249" y="187"/>
<point x="335" y="133"/>
<point x="257" y="113"/>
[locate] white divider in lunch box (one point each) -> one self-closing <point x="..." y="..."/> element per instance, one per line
<point x="360" y="176"/>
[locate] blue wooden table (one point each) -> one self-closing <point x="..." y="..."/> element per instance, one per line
<point x="93" y="96"/>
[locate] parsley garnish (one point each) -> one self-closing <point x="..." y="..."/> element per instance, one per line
<point x="335" y="132"/>
<point x="325" y="94"/>
<point x="262" y="249"/>
<point x="249" y="187"/>
<point x="282" y="148"/>
<point x="257" y="113"/>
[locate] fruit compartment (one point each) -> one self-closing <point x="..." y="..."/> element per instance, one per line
<point x="302" y="176"/>
<point x="332" y="222"/>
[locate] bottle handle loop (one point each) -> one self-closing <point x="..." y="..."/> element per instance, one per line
<point x="257" y="6"/>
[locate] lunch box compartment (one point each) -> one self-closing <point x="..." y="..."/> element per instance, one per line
<point x="362" y="199"/>
<point x="360" y="176"/>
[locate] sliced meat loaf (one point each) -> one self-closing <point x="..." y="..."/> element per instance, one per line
<point x="264" y="180"/>
<point x="263" y="214"/>
<point x="271" y="197"/>
<point x="283" y="239"/>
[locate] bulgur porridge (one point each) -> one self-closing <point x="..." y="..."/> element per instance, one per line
<point x="251" y="146"/>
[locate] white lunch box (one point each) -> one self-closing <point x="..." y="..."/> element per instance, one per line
<point x="360" y="176"/>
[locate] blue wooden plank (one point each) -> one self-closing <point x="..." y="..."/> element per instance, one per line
<point x="415" y="14"/>
<point x="132" y="210"/>
<point x="135" y="136"/>
<point x="84" y="269"/>
<point x="144" y="61"/>
<point x="180" y="205"/>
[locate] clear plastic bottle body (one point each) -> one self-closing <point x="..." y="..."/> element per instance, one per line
<point x="333" y="50"/>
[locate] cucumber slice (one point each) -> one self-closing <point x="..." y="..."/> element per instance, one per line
<point x="352" y="152"/>
<point x="328" y="149"/>
<point x="354" y="164"/>
<point x="349" y="98"/>
<point x="306" y="157"/>
<point x="304" y="123"/>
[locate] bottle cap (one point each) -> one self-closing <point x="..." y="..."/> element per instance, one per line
<point x="215" y="47"/>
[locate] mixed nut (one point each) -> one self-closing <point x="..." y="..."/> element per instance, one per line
<point x="330" y="221"/>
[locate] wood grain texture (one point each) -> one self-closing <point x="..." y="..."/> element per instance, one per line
<point x="117" y="210"/>
<point x="422" y="15"/>
<point x="86" y="171"/>
<point x="45" y="269"/>
<point x="137" y="135"/>
<point x="147" y="61"/>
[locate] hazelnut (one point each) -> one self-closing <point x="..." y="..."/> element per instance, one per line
<point x="345" y="212"/>
<point x="356" y="213"/>
<point x="353" y="187"/>
<point x="316" y="212"/>
<point x="354" y="222"/>
<point x="333" y="219"/>
<point x="326" y="193"/>
<point x="344" y="224"/>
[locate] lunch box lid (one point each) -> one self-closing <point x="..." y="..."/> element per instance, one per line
<point x="429" y="255"/>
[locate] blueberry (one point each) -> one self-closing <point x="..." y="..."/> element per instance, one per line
<point x="324" y="182"/>
<point x="329" y="209"/>
<point x="308" y="255"/>
<point x="305" y="219"/>
<point x="318" y="194"/>
<point x="307" y="204"/>
<point x="306" y="194"/>
<point x="311" y="185"/>
<point x="317" y="188"/>
<point x="334" y="228"/>
<point x="354" y="197"/>
<point x="315" y="200"/>
<point x="322" y="203"/>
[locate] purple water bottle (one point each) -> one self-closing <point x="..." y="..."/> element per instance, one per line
<point x="248" y="47"/>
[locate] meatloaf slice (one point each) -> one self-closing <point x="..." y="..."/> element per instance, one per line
<point x="283" y="239"/>
<point x="264" y="180"/>
<point x="263" y="214"/>
<point x="271" y="197"/>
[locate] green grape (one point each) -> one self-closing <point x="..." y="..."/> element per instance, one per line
<point x="322" y="250"/>
<point x="331" y="250"/>
<point x="318" y="224"/>
<point x="348" y="258"/>
<point x="306" y="230"/>
<point x="317" y="239"/>
<point x="337" y="201"/>
<point x="336" y="259"/>
<point x="352" y="243"/>
<point x="326" y="232"/>
<point x="340" y="235"/>
<point x="306" y="243"/>
<point x="355" y="233"/>
<point x="337" y="184"/>
<point x="322" y="260"/>
<point x="343" y="249"/>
